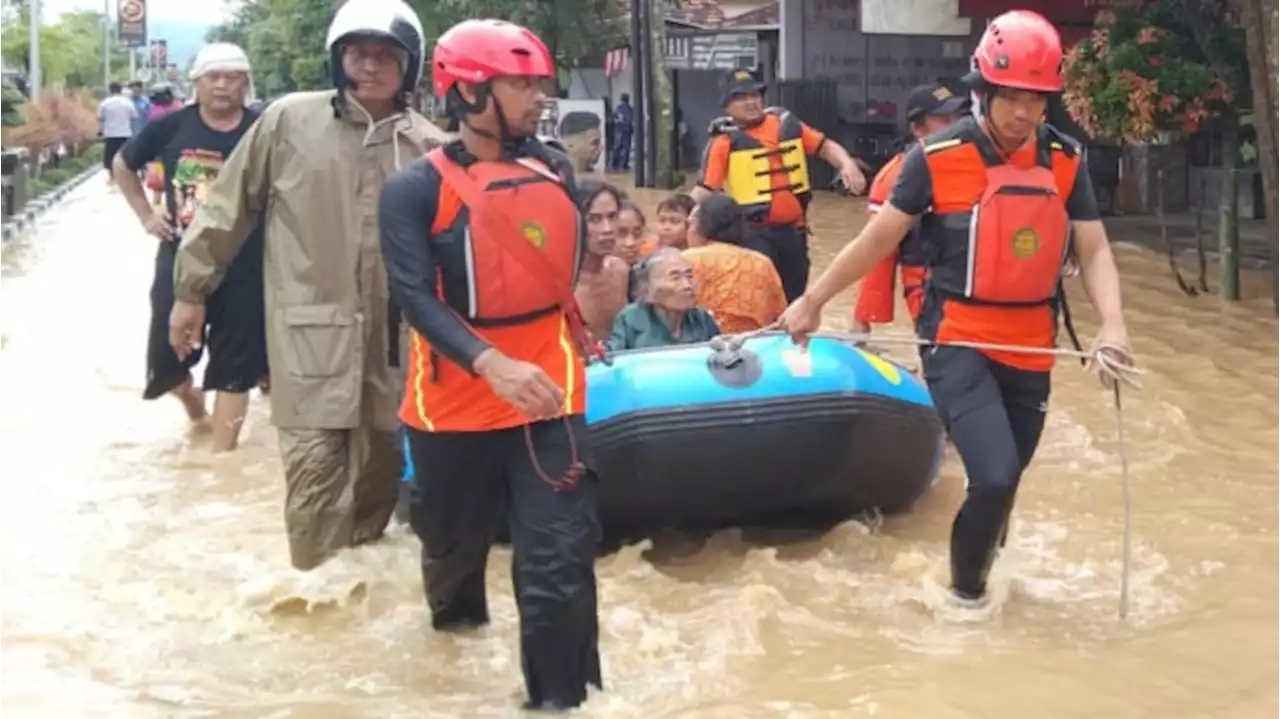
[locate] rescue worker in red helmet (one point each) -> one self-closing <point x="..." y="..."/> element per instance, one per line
<point x="483" y="242"/>
<point x="1000" y="192"/>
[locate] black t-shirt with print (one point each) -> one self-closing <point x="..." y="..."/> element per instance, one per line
<point x="192" y="153"/>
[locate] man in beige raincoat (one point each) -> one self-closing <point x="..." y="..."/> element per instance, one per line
<point x="314" y="164"/>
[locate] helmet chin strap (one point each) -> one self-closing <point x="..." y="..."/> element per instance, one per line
<point x="980" y="107"/>
<point x="504" y="136"/>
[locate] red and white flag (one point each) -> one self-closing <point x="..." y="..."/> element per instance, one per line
<point x="615" y="61"/>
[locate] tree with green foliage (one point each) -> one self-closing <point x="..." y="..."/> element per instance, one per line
<point x="10" y="116"/>
<point x="70" y="51"/>
<point x="285" y="38"/>
<point x="1158" y="71"/>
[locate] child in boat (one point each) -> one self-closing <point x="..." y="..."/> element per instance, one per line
<point x="635" y="242"/>
<point x="673" y="220"/>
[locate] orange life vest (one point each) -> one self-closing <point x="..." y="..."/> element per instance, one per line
<point x="489" y="285"/>
<point x="1008" y="248"/>
<point x="515" y="306"/>
<point x="875" y="293"/>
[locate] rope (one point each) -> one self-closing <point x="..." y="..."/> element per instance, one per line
<point x="1126" y="551"/>
<point x="1115" y="368"/>
<point x="1114" y="364"/>
<point x="572" y="475"/>
<point x="734" y="342"/>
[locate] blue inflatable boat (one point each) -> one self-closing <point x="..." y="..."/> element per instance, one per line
<point x="696" y="437"/>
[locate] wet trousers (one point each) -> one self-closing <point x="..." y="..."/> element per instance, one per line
<point x="463" y="483"/>
<point x="787" y="246"/>
<point x="995" y="415"/>
<point x="235" y="332"/>
<point x="342" y="487"/>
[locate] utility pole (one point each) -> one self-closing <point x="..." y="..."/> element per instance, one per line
<point x="639" y="102"/>
<point x="661" y="108"/>
<point x="106" y="44"/>
<point x="34" y="70"/>
<point x="133" y="63"/>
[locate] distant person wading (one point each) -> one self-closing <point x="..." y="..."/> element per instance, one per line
<point x="760" y="161"/>
<point x="191" y="145"/>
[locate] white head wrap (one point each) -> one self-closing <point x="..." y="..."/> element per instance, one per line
<point x="223" y="57"/>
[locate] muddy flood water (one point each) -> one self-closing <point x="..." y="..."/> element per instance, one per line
<point x="144" y="577"/>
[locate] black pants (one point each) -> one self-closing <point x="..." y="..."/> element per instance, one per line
<point x="788" y="247"/>
<point x="463" y="482"/>
<point x="235" y="322"/>
<point x="995" y="415"/>
<point x="111" y="146"/>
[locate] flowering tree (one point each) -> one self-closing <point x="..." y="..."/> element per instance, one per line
<point x="1151" y="72"/>
<point x="1141" y="76"/>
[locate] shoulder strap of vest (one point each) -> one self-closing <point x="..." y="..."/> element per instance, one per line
<point x="1048" y="141"/>
<point x="788" y="123"/>
<point x="1059" y="141"/>
<point x="447" y="201"/>
<point x="986" y="147"/>
<point x="501" y="225"/>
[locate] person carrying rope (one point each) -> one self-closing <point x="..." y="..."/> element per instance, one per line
<point x="484" y="241"/>
<point x="1000" y="193"/>
<point x="930" y="108"/>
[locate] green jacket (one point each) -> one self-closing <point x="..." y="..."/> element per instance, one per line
<point x="640" y="326"/>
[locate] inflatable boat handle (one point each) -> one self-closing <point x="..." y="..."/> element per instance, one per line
<point x="723" y="355"/>
<point x="733" y="366"/>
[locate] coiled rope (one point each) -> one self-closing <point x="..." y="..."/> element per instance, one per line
<point x="1115" y="368"/>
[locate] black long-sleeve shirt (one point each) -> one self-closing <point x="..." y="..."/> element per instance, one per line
<point x="406" y="211"/>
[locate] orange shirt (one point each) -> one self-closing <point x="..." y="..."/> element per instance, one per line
<point x="455" y="401"/>
<point x="785" y="208"/>
<point x="875" y="291"/>
<point x="648" y="245"/>
<point x="958" y="178"/>
<point x="739" y="287"/>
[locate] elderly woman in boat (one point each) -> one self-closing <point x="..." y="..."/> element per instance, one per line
<point x="665" y="315"/>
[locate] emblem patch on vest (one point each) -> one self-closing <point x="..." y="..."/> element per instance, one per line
<point x="534" y="233"/>
<point x="1025" y="242"/>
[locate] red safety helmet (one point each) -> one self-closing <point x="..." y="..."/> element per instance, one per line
<point x="477" y="50"/>
<point x="1022" y="50"/>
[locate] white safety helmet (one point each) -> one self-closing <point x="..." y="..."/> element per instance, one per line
<point x="390" y="20"/>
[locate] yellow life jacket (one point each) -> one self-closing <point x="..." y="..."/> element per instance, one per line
<point x="750" y="178"/>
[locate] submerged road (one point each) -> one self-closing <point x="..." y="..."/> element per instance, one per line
<point x="143" y="576"/>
